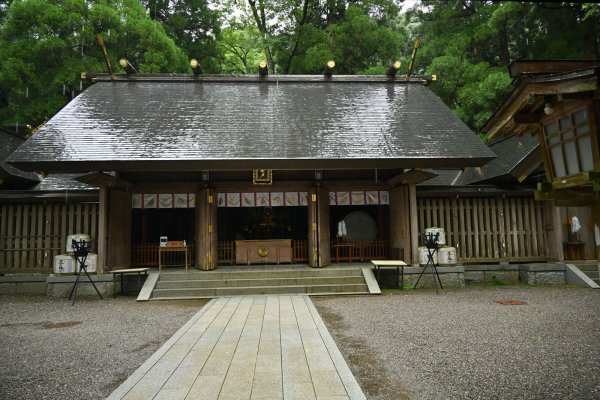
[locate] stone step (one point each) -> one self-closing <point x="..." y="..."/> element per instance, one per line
<point x="211" y="297"/>
<point x="591" y="274"/>
<point x="251" y="281"/>
<point x="233" y="291"/>
<point x="243" y="274"/>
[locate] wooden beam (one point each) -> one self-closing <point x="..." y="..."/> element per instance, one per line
<point x="522" y="118"/>
<point x="411" y="176"/>
<point x="570" y="197"/>
<point x="549" y="66"/>
<point x="585" y="178"/>
<point x="580" y="95"/>
<point x="102" y="179"/>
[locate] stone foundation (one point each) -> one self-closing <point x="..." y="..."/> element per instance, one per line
<point x="486" y="274"/>
<point x="61" y="286"/>
<point x="55" y="285"/>
<point x="542" y="274"/>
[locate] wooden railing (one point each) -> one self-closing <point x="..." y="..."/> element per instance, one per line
<point x="226" y="252"/>
<point x="359" y="250"/>
<point x="488" y="229"/>
<point x="299" y="250"/>
<point x="32" y="234"/>
<point x="146" y="255"/>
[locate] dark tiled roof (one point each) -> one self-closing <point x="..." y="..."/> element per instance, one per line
<point x="446" y="177"/>
<point x="229" y="125"/>
<point x="511" y="152"/>
<point x="62" y="182"/>
<point x="8" y="144"/>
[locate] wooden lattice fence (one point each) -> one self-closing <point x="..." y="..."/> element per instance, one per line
<point x="488" y="229"/>
<point x="32" y="234"/>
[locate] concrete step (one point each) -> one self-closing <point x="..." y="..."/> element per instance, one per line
<point x="232" y="291"/>
<point x="251" y="281"/>
<point x="291" y="273"/>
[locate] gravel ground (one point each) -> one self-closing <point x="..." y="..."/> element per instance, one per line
<point x="51" y="350"/>
<point x="459" y="344"/>
<point x="462" y="344"/>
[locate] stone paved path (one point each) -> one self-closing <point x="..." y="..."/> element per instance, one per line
<point x="247" y="347"/>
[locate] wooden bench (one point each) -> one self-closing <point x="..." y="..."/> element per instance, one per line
<point x="398" y="264"/>
<point x="127" y="271"/>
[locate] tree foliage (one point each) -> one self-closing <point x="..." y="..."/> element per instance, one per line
<point x="193" y="25"/>
<point x="300" y="36"/>
<point x="44" y="44"/>
<point x="469" y="44"/>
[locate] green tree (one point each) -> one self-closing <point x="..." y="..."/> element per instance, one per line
<point x="469" y="44"/>
<point x="241" y="49"/>
<point x="300" y="36"/>
<point x="359" y="42"/>
<point x="45" y="44"/>
<point x="194" y="25"/>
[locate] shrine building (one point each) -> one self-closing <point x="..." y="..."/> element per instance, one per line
<point x="254" y="169"/>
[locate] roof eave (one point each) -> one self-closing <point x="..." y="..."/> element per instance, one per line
<point x="248" y="164"/>
<point x="93" y="77"/>
<point x="554" y="84"/>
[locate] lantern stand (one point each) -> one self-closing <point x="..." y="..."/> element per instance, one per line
<point x="431" y="242"/>
<point x="82" y="249"/>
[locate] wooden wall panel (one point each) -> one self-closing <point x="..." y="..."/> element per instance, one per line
<point x="488" y="229"/>
<point x="31" y="235"/>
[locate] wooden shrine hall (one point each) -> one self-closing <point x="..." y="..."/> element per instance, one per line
<point x="254" y="169"/>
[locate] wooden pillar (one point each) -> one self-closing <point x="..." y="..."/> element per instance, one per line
<point x="596" y="219"/>
<point x="119" y="230"/>
<point x="319" y="241"/>
<point x="206" y="229"/>
<point x="554" y="231"/>
<point x="102" y="230"/>
<point x="413" y="232"/>
<point x="400" y="225"/>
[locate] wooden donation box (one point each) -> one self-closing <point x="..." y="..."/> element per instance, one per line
<point x="272" y="251"/>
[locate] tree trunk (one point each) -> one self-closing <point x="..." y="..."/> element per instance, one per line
<point x="261" y="24"/>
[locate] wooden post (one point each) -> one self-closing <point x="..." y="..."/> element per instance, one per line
<point x="554" y="235"/>
<point x="400" y="224"/>
<point x="413" y="232"/>
<point x="319" y="252"/>
<point x="596" y="218"/>
<point x="119" y="230"/>
<point x="324" y="227"/>
<point x="206" y="229"/>
<point x="102" y="230"/>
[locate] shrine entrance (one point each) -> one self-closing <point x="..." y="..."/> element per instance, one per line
<point x="262" y="235"/>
